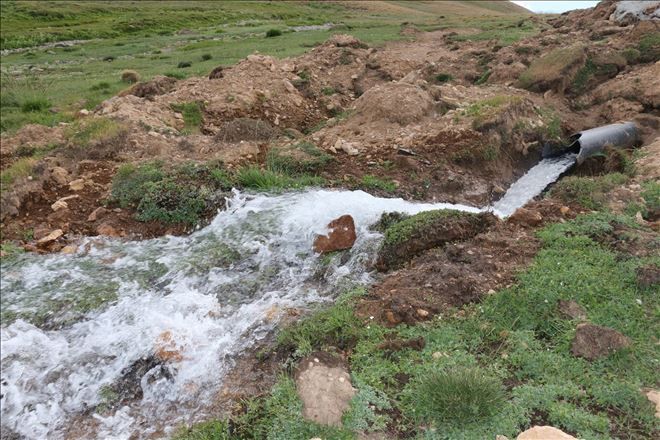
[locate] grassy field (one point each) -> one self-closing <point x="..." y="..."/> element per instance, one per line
<point x="48" y="84"/>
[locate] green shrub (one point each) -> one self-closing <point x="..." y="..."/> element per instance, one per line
<point x="443" y="77"/>
<point x="129" y="184"/>
<point x="168" y="201"/>
<point x="206" y="57"/>
<point x="103" y="85"/>
<point x="457" y="396"/>
<point x="651" y="195"/>
<point x="273" y="33"/>
<point x="184" y="64"/>
<point x="35" y="105"/>
<point x="268" y="180"/>
<point x="303" y="157"/>
<point x="177" y="75"/>
<point x="211" y="430"/>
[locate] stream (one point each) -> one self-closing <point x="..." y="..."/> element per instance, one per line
<point x="73" y="325"/>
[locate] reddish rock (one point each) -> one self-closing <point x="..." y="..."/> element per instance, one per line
<point x="593" y="341"/>
<point x="50" y="238"/>
<point x="97" y="214"/>
<point x="107" y="230"/>
<point x="341" y="236"/>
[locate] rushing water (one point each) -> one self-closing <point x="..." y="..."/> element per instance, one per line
<point x="532" y="184"/>
<point x="73" y="325"/>
<point x="206" y="296"/>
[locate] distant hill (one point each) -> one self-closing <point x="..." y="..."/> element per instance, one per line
<point x="448" y="8"/>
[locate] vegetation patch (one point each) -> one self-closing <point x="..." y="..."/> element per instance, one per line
<point x="484" y="111"/>
<point x="443" y="78"/>
<point x="371" y="182"/>
<point x="589" y="192"/>
<point x="269" y="180"/>
<point x="273" y="33"/>
<point x="301" y="158"/>
<point x="552" y="69"/>
<point x="18" y="169"/>
<point x="192" y="116"/>
<point x="426" y="230"/>
<point x="85" y="132"/>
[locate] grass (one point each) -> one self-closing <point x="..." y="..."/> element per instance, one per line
<point x="458" y="396"/>
<point x="142" y="36"/>
<point x="443" y="78"/>
<point x="376" y="183"/>
<point x="192" y="116"/>
<point x="550" y="67"/>
<point x="301" y="158"/>
<point x="504" y="31"/>
<point x="589" y="192"/>
<point x="19" y="169"/>
<point x="268" y="180"/>
<point x="84" y="132"/>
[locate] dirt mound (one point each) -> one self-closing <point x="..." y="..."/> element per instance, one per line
<point x="427" y="230"/>
<point x="159" y="85"/>
<point x="399" y="103"/>
<point x="245" y="129"/>
<point x="593" y="341"/>
<point x="29" y="138"/>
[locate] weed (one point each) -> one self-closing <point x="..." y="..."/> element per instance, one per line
<point x="484" y="77"/>
<point x="103" y="85"/>
<point x="206" y="57"/>
<point x="372" y="182"/>
<point x="649" y="47"/>
<point x="130" y="76"/>
<point x="550" y="66"/>
<point x="184" y="64"/>
<point x="268" y="180"/>
<point x="211" y="430"/>
<point x="457" y="396"/>
<point x="273" y="33"/>
<point x="345" y="57"/>
<point x="35" y="105"/>
<point x="443" y="77"/>
<point x="192" y="116"/>
<point x="177" y="75"/>
<point x="19" y="169"/>
<point x="168" y="201"/>
<point x="10" y="251"/>
<point x="303" y="157"/>
<point x="651" y="195"/>
<point x="328" y="91"/>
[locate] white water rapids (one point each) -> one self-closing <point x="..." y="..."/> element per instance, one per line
<point x="74" y="324"/>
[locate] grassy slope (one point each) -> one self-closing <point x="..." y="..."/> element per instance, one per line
<point x="143" y="36"/>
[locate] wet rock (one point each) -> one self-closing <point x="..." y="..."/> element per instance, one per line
<point x="654" y="397"/>
<point x="341" y="236"/>
<point x="59" y="175"/>
<point x="107" y="230"/>
<point x="167" y="350"/>
<point x="544" y="433"/>
<point x="325" y="390"/>
<point x="572" y="309"/>
<point x="97" y="214"/>
<point x="69" y="249"/>
<point x="526" y="217"/>
<point x="50" y="238"/>
<point x="594" y="341"/>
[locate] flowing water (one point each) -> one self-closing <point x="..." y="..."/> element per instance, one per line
<point x="73" y="326"/>
<point x="533" y="183"/>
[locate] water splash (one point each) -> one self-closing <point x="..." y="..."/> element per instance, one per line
<point x="213" y="294"/>
<point x="532" y="184"/>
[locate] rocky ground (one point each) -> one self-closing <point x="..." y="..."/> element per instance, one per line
<point x="436" y="119"/>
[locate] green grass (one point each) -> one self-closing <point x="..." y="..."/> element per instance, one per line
<point x="192" y="116"/>
<point x="301" y="158"/>
<point x="589" y="192"/>
<point x="376" y="183"/>
<point x="268" y="180"/>
<point x="504" y="32"/>
<point x="87" y="131"/>
<point x="443" y="78"/>
<point x="19" y="169"/>
<point x="403" y="230"/>
<point x="142" y="36"/>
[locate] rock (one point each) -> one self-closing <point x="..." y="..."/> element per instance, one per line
<point x="526" y="217"/>
<point x="544" y="433"/>
<point x="346" y="147"/>
<point x="422" y="313"/>
<point x="77" y="185"/>
<point x="564" y="210"/>
<point x="48" y="239"/>
<point x="97" y="214"/>
<point x="389" y="315"/>
<point x="107" y="230"/>
<point x="217" y="73"/>
<point x="594" y="341"/>
<point x="572" y="309"/>
<point x="341" y="236"/>
<point x="59" y="175"/>
<point x="69" y="249"/>
<point x="501" y="437"/>
<point x="167" y="350"/>
<point x="83" y="112"/>
<point x="325" y="391"/>
<point x="58" y="205"/>
<point x="654" y="397"/>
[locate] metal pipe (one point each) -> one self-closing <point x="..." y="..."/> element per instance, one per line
<point x="593" y="141"/>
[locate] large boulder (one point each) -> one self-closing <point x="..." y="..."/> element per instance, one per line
<point x="341" y="236"/>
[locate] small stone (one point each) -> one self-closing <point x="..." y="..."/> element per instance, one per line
<point x="83" y="112"/>
<point x="491" y="292"/>
<point x="501" y="437"/>
<point x="59" y="175"/>
<point x="97" y="214"/>
<point x="48" y="239"/>
<point x="389" y="315"/>
<point x="58" y="205"/>
<point x="69" y="249"/>
<point x="654" y="397"/>
<point x="564" y="210"/>
<point x="77" y="185"/>
<point x="526" y="217"/>
<point x="544" y="433"/>
<point x="422" y="313"/>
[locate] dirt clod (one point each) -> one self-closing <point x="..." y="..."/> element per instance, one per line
<point x="594" y="341"/>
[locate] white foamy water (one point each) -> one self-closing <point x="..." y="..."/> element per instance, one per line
<point x="532" y="184"/>
<point x="206" y="297"/>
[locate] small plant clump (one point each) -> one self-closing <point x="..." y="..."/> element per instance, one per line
<point x="192" y="115"/>
<point x="207" y="56"/>
<point x="35" y="105"/>
<point x="130" y="76"/>
<point x="273" y="33"/>
<point x="184" y="64"/>
<point x="375" y="183"/>
<point x="589" y="192"/>
<point x="443" y="78"/>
